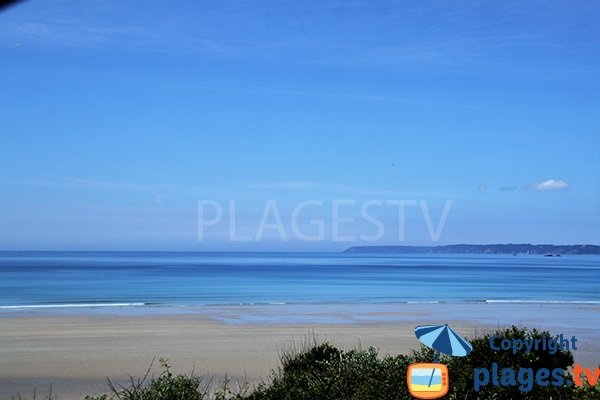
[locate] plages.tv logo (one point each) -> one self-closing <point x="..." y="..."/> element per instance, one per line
<point x="430" y="380"/>
<point x="525" y="378"/>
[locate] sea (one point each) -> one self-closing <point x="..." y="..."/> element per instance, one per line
<point x="62" y="280"/>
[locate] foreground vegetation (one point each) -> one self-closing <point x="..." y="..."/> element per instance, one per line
<point x="322" y="371"/>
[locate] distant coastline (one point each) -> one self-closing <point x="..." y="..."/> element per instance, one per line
<point x="509" y="248"/>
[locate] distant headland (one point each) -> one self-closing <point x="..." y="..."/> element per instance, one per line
<point x="509" y="248"/>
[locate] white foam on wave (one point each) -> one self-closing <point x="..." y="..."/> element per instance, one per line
<point x="546" y="301"/>
<point x="89" y="305"/>
<point x="423" y="302"/>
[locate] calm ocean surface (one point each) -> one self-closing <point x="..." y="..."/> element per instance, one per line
<point x="71" y="279"/>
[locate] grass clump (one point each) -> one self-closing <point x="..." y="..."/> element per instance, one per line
<point x="167" y="386"/>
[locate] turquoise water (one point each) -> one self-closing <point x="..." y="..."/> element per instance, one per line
<point x="71" y="279"/>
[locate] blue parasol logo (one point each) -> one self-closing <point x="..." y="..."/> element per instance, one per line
<point x="430" y="380"/>
<point x="443" y="339"/>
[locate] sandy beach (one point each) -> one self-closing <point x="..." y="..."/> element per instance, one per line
<point x="75" y="353"/>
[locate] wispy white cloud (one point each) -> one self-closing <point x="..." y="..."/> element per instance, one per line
<point x="550" y="184"/>
<point x="160" y="193"/>
<point x="416" y="98"/>
<point x="58" y="180"/>
<point x="72" y="33"/>
<point x="321" y="36"/>
<point x="103" y="27"/>
<point x="511" y="188"/>
<point x="337" y="188"/>
<point x="281" y="185"/>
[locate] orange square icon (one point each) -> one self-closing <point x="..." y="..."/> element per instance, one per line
<point x="427" y="380"/>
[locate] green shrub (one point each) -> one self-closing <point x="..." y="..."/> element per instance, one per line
<point x="587" y="392"/>
<point x="166" y="387"/>
<point x="325" y="372"/>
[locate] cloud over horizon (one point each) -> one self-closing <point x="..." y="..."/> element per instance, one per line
<point x="550" y="184"/>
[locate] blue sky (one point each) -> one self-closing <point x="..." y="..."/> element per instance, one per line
<point x="119" y="117"/>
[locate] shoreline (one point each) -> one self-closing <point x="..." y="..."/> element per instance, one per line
<point x="75" y="352"/>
